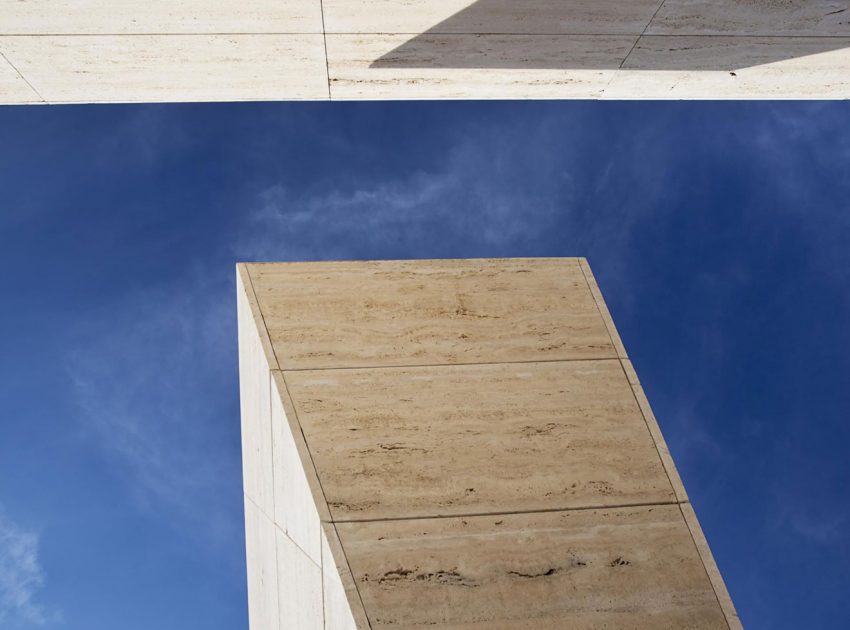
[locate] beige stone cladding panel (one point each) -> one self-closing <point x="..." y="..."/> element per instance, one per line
<point x="386" y="313"/>
<point x="619" y="568"/>
<point x="132" y="68"/>
<point x="426" y="441"/>
<point x="87" y="17"/>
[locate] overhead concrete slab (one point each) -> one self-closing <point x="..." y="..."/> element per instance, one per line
<point x="456" y="444"/>
<point x="130" y="50"/>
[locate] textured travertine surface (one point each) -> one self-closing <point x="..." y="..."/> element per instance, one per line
<point x="752" y="17"/>
<point x="482" y="438"/>
<point x="73" y="68"/>
<point x="184" y="50"/>
<point x="157" y="17"/>
<point x="386" y="313"/>
<point x="618" y="568"/>
<point x="457" y="444"/>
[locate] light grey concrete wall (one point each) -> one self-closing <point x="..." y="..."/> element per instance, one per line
<point x="57" y="51"/>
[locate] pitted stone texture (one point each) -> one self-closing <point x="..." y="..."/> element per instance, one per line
<point x="619" y="568"/>
<point x="88" y="17"/>
<point x="161" y="68"/>
<point x="393" y="442"/>
<point x="396" y="313"/>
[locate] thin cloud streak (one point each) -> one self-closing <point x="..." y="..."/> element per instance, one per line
<point x="150" y="378"/>
<point x="21" y="577"/>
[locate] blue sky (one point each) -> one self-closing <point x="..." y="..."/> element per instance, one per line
<point x="719" y="233"/>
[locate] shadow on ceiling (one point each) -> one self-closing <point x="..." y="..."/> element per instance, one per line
<point x="488" y="34"/>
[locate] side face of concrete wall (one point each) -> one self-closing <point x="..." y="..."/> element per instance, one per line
<point x="57" y="51"/>
<point x="456" y="444"/>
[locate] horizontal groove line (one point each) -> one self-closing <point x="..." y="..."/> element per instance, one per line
<point x="581" y="508"/>
<point x="429" y="33"/>
<point x="432" y="365"/>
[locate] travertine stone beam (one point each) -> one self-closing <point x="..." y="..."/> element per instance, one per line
<point x="456" y="444"/>
<point x="186" y="50"/>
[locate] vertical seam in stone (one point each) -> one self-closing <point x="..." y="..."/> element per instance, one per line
<point x="704" y="567"/>
<point x="274" y="510"/>
<point x="325" y="41"/>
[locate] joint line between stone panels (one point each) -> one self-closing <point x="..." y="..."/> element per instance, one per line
<point x="258" y="506"/>
<point x="351" y="572"/>
<point x="581" y="508"/>
<point x="441" y="34"/>
<point x="645" y="28"/>
<point x="274" y="506"/>
<point x="705" y="568"/>
<point x="324" y="496"/>
<point x="262" y="319"/>
<point x="23" y="78"/>
<point x="325" y="42"/>
<point x="438" y="365"/>
<point x="297" y="546"/>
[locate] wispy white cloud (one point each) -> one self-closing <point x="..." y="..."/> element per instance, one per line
<point x="151" y="376"/>
<point x="402" y="216"/>
<point x="21" y="577"/>
<point x="505" y="193"/>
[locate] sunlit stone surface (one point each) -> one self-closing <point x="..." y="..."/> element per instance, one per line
<point x="456" y="444"/>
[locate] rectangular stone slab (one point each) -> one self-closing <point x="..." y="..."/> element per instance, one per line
<point x="427" y="441"/>
<point x="385" y="313"/>
<point x="615" y="568"/>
